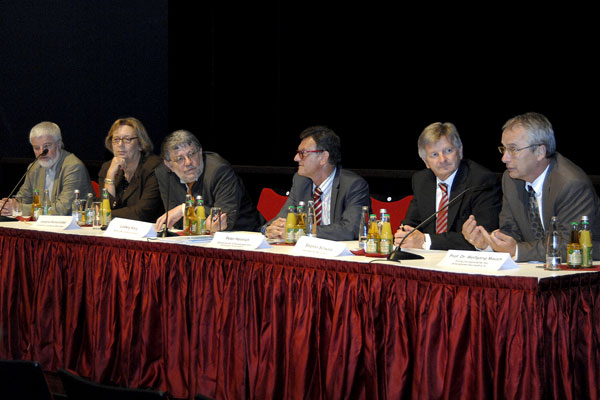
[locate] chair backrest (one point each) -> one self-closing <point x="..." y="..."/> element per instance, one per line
<point x="21" y="379"/>
<point x="77" y="387"/>
<point x="96" y="189"/>
<point x="397" y="209"/>
<point x="269" y="203"/>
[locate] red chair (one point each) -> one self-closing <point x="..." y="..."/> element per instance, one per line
<point x="396" y="209"/>
<point x="269" y="203"/>
<point x="96" y="189"/>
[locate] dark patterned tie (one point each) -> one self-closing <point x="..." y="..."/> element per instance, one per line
<point x="318" y="207"/>
<point x="441" y="225"/>
<point x="534" y="215"/>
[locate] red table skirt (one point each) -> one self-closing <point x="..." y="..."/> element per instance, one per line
<point x="236" y="324"/>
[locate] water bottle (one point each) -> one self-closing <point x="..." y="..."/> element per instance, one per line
<point x="311" y="220"/>
<point x="46" y="202"/>
<point x="76" y="209"/>
<point x="363" y="228"/>
<point x="553" y="247"/>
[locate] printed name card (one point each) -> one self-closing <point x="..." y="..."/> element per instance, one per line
<point x="478" y="260"/>
<point x="240" y="240"/>
<point x="58" y="222"/>
<point x="123" y="228"/>
<point x="315" y="247"/>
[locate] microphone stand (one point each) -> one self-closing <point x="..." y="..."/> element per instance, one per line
<point x="2" y="218"/>
<point x="398" y="254"/>
<point x="165" y="231"/>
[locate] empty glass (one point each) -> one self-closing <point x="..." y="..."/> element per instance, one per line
<point x="17" y="204"/>
<point x="95" y="213"/>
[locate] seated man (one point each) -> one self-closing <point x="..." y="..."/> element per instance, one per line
<point x="343" y="193"/>
<point x="58" y="171"/>
<point x="446" y="176"/>
<point x="205" y="174"/>
<point x="538" y="183"/>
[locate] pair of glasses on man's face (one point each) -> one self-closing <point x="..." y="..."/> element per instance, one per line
<point x="305" y="153"/>
<point x="181" y="159"/>
<point x="513" y="150"/>
<point x="45" y="146"/>
<point x="126" y="140"/>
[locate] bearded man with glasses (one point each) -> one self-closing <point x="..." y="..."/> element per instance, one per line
<point x="187" y="169"/>
<point x="341" y="193"/>
<point x="55" y="169"/>
<point x="538" y="183"/>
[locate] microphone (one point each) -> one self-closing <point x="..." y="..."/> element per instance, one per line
<point x="398" y="254"/>
<point x="4" y="219"/>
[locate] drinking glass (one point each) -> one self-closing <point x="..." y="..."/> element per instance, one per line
<point x="17" y="210"/>
<point x="96" y="222"/>
<point x="215" y="219"/>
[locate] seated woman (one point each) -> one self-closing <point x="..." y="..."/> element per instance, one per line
<point x="129" y="177"/>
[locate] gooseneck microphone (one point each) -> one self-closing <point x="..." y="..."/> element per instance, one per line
<point x="43" y="153"/>
<point x="398" y="254"/>
<point x="165" y="232"/>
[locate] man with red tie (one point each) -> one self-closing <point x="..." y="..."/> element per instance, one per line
<point x="447" y="175"/>
<point x="338" y="193"/>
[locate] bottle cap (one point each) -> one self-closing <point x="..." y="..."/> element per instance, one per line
<point x="585" y="218"/>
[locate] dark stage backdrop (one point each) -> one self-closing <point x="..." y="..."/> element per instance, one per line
<point x="247" y="77"/>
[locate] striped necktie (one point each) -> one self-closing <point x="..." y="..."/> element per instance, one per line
<point x="441" y="225"/>
<point x="318" y="207"/>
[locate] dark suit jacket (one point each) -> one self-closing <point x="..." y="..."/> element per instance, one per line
<point x="567" y="194"/>
<point x="349" y="193"/>
<point x="219" y="186"/>
<point x="483" y="204"/>
<point x="138" y="199"/>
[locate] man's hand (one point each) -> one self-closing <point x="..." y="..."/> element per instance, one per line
<point x="474" y="233"/>
<point x="175" y="215"/>
<point x="500" y="242"/>
<point x="276" y="230"/>
<point x="414" y="241"/>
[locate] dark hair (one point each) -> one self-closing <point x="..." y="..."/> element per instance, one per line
<point x="326" y="139"/>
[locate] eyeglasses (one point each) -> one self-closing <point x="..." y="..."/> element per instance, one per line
<point x="45" y="146"/>
<point x="304" y="153"/>
<point x="512" y="150"/>
<point x="180" y="160"/>
<point x="126" y="140"/>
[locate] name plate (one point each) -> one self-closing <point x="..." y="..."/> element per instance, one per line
<point x="240" y="240"/>
<point x="315" y="247"/>
<point x="478" y="260"/>
<point x="123" y="228"/>
<point x="58" y="222"/>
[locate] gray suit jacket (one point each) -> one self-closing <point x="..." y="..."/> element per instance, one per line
<point x="70" y="174"/>
<point x="567" y="194"/>
<point x="349" y="193"/>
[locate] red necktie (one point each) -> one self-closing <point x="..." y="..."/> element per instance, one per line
<point x="441" y="225"/>
<point x="318" y="208"/>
